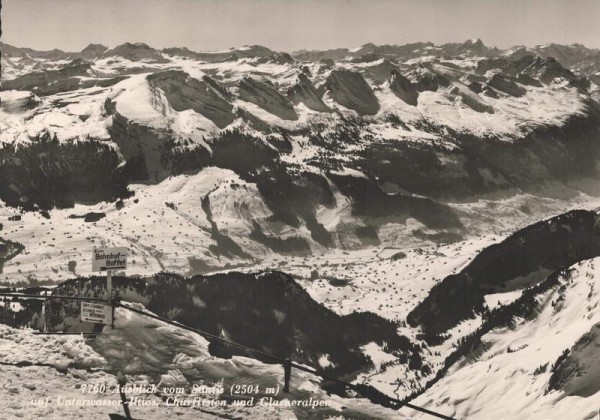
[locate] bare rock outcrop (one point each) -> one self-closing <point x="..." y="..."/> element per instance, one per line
<point x="403" y="88"/>
<point x="267" y="97"/>
<point x="304" y="91"/>
<point x="503" y="83"/>
<point x="205" y="96"/>
<point x="349" y="88"/>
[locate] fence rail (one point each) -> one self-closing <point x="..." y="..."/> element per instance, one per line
<point x="57" y="297"/>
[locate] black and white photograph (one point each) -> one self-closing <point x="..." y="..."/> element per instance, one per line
<point x="300" y="209"/>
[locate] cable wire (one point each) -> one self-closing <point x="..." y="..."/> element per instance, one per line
<point x="394" y="401"/>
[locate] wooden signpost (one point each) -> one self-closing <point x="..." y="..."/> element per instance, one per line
<point x="106" y="259"/>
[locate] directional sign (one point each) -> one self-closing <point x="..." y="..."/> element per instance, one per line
<point x="109" y="259"/>
<point x="96" y="312"/>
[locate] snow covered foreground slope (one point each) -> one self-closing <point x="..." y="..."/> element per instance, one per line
<point x="62" y="370"/>
<point x="512" y="375"/>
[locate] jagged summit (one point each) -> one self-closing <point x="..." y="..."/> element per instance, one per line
<point x="135" y="52"/>
<point x="255" y="49"/>
<point x="474" y="42"/>
<point x="93" y="51"/>
<point x="303" y="91"/>
<point x="95" y="47"/>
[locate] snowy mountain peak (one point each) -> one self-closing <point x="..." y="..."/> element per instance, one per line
<point x="94" y="50"/>
<point x="474" y="41"/>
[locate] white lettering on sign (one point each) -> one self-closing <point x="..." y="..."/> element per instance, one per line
<point x="95" y="312"/>
<point x="109" y="259"/>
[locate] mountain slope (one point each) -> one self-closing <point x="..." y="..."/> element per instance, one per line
<point x="517" y="262"/>
<point x="520" y="364"/>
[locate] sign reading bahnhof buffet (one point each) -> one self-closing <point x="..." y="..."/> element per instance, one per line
<point x="109" y="259"/>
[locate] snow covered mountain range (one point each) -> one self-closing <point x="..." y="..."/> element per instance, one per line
<point x="291" y="153"/>
<point x="440" y="201"/>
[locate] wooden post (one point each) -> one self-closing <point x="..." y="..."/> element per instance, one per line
<point x="44" y="316"/>
<point x="287" y="372"/>
<point x="112" y="312"/>
<point x="109" y="298"/>
<point x="122" y="382"/>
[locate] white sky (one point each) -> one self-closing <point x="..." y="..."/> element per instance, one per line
<point x="296" y="24"/>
